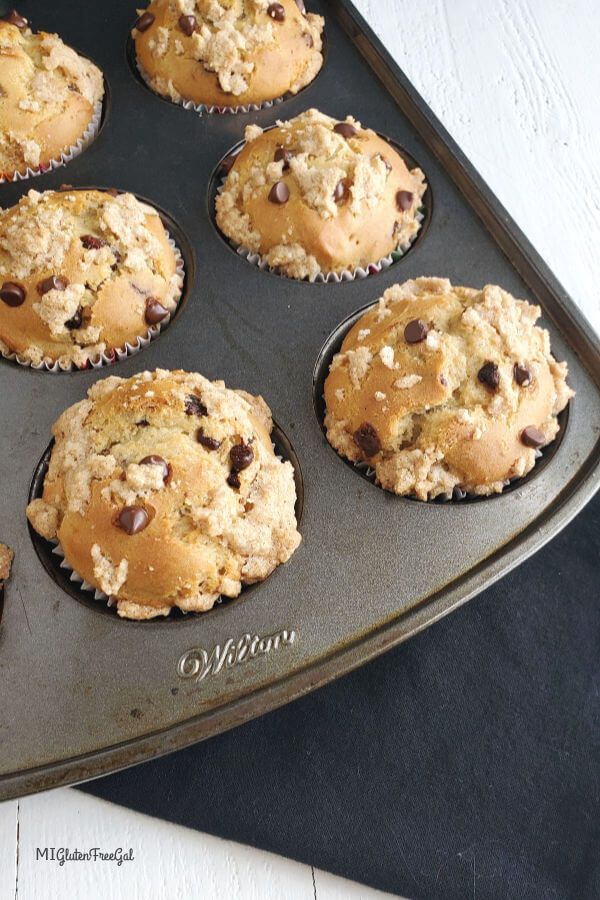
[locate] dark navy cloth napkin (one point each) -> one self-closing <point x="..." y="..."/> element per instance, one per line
<point x="463" y="764"/>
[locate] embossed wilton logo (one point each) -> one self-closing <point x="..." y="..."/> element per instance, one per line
<point x="198" y="663"/>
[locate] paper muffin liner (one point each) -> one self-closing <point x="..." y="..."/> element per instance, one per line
<point x="202" y="109"/>
<point x="359" y="272"/>
<point x="108" y="357"/>
<point x="66" y="156"/>
<point x="84" y="585"/>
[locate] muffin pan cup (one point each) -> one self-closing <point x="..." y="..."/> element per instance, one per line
<point x="84" y="692"/>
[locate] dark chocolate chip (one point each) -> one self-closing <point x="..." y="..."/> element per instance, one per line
<point x="155" y="311"/>
<point x="522" y="375"/>
<point x="308" y="40"/>
<point x="194" y="406"/>
<point x="75" y="321"/>
<point x="144" y="22"/>
<point x="489" y="375"/>
<point x="276" y="11"/>
<point x="206" y="441"/>
<point x="341" y="192"/>
<point x="15" y="18"/>
<point x="240" y="456"/>
<point x="444" y="380"/>
<point x="187" y="24"/>
<point x="233" y="480"/>
<point x="143" y="423"/>
<point x="282" y="154"/>
<point x="154" y="460"/>
<point x="227" y="164"/>
<point x="416" y="331"/>
<point x="12" y="293"/>
<point x="91" y="242"/>
<point x="52" y="283"/>
<point x="345" y="129"/>
<point x="532" y="437"/>
<point x="301" y="6"/>
<point x="367" y="439"/>
<point x="279" y="193"/>
<point x="132" y="519"/>
<point x="404" y="200"/>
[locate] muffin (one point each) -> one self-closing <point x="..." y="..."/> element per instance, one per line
<point x="443" y="390"/>
<point x="6" y="560"/>
<point x="50" y="98"/>
<point x="164" y="490"/>
<point x="82" y="274"/>
<point x="314" y="195"/>
<point x="230" y="53"/>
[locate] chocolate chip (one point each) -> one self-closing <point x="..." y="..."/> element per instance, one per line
<point x="144" y="22"/>
<point x="308" y="40"/>
<point x="416" y="331"/>
<point x="194" y="406"/>
<point x="233" y="480"/>
<point x="240" y="456"/>
<point x="444" y="380"/>
<point x="15" y="18"/>
<point x="301" y="6"/>
<point x="132" y="519"/>
<point x="522" y="375"/>
<point x="154" y="460"/>
<point x="75" y="321"/>
<point x="187" y="24"/>
<point x="345" y="129"/>
<point x="367" y="439"/>
<point x="143" y="423"/>
<point x="91" y="242"/>
<point x="112" y="192"/>
<point x="282" y="154"/>
<point x="227" y="164"/>
<point x="341" y="192"/>
<point x="155" y="311"/>
<point x="206" y="441"/>
<point x="386" y="162"/>
<point x="489" y="375"/>
<point x="276" y="11"/>
<point x="532" y="437"/>
<point x="279" y="193"/>
<point x="404" y="200"/>
<point x="52" y="283"/>
<point x="12" y="293"/>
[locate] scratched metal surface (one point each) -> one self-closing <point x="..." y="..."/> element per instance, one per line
<point x="83" y="692"/>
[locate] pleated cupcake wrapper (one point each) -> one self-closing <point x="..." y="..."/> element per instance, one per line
<point x="74" y="576"/>
<point x="78" y="147"/>
<point x="116" y="355"/>
<point x="202" y="109"/>
<point x="359" y="272"/>
<point x="369" y="473"/>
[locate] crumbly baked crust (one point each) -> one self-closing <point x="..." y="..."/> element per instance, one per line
<point x="238" y="54"/>
<point x="109" y="278"/>
<point x="437" y="424"/>
<point x="207" y="535"/>
<point x="311" y="232"/>
<point x="6" y="558"/>
<point x="47" y="99"/>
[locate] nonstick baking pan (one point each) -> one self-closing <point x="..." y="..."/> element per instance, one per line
<point x="83" y="692"/>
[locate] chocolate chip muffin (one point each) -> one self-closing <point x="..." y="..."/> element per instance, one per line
<point x="443" y="389"/>
<point x="164" y="490"/>
<point x="48" y="97"/>
<point x="82" y="274"/>
<point x="6" y="560"/>
<point x="316" y="195"/>
<point x="228" y="52"/>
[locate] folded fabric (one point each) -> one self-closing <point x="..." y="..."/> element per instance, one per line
<point x="464" y="763"/>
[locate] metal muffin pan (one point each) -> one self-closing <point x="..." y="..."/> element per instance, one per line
<point x="83" y="693"/>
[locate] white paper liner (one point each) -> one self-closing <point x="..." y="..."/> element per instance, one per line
<point x="57" y="550"/>
<point x="108" y="358"/>
<point x="359" y="272"/>
<point x="86" y="138"/>
<point x="202" y="109"/>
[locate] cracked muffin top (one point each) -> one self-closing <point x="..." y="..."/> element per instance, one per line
<point x="317" y="195"/>
<point x="228" y="52"/>
<point x="440" y="388"/>
<point x="164" y="490"/>
<point x="47" y="96"/>
<point x="82" y="272"/>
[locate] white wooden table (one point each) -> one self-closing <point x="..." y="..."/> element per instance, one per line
<point x="516" y="83"/>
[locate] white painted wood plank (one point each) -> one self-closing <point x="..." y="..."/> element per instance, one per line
<point x="330" y="887"/>
<point x="169" y="861"/>
<point x="8" y="848"/>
